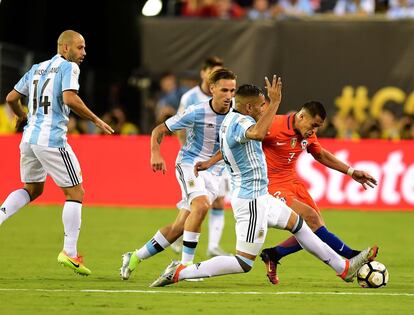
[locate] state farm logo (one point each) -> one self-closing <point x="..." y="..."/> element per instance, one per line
<point x="395" y="179"/>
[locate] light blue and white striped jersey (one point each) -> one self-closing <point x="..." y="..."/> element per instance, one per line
<point x="202" y="126"/>
<point x="191" y="97"/>
<point x="48" y="117"/>
<point x="244" y="158"/>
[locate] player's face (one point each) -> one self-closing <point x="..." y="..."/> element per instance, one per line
<point x="258" y="107"/>
<point x="76" y="50"/>
<point x="223" y="92"/>
<point x="308" y="125"/>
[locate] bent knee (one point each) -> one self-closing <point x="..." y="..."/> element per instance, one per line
<point x="313" y="221"/>
<point x="33" y="190"/>
<point x="74" y="193"/>
<point x="245" y="263"/>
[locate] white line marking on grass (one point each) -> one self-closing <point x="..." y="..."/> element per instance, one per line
<point x="212" y="292"/>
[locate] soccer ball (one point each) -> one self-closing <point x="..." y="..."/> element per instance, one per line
<point x="372" y="275"/>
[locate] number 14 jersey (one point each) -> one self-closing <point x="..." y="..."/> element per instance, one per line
<point x="48" y="116"/>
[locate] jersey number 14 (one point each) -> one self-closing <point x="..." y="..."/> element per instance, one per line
<point x="44" y="100"/>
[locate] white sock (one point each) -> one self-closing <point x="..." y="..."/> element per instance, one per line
<point x="71" y="218"/>
<point x="216" y="266"/>
<point x="215" y="227"/>
<point x="15" y="201"/>
<point x="155" y="245"/>
<point x="190" y="241"/>
<point x="313" y="244"/>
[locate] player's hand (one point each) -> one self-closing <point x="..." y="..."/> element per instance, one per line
<point x="274" y="89"/>
<point x="200" y="166"/>
<point x="158" y="163"/>
<point x="104" y="127"/>
<point x="20" y="123"/>
<point x="364" y="179"/>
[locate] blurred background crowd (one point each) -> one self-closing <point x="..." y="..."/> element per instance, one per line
<point x="268" y="9"/>
<point x="164" y="101"/>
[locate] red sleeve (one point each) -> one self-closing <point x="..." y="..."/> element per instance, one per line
<point x="314" y="147"/>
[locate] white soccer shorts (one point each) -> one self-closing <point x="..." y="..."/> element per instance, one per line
<point x="253" y="217"/>
<point x="36" y="162"/>
<point x="206" y="184"/>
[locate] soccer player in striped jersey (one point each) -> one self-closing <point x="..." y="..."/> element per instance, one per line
<point x="202" y="123"/>
<point x="287" y="138"/>
<point x="51" y="88"/>
<point x="241" y="136"/>
<point x="198" y="94"/>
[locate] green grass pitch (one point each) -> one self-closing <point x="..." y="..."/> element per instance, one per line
<point x="31" y="281"/>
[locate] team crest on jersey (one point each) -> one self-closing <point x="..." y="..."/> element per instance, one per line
<point x="191" y="183"/>
<point x="304" y="144"/>
<point x="210" y="126"/>
<point x="293" y="142"/>
<point x="261" y="233"/>
<point x="3" y="209"/>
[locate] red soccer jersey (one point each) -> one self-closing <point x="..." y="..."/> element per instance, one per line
<point x="282" y="146"/>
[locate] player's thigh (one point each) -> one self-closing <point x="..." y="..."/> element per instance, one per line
<point x="61" y="164"/>
<point x="192" y="186"/>
<point x="279" y="213"/>
<point x="303" y="195"/>
<point x="31" y="169"/>
<point x="310" y="215"/>
<point x="251" y="224"/>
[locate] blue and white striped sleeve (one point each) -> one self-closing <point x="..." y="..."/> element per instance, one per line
<point x="182" y="120"/>
<point x="242" y="124"/>
<point x="23" y="85"/>
<point x="70" y="76"/>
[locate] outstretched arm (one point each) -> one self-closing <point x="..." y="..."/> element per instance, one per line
<point x="329" y="160"/>
<point x="72" y="99"/>
<point x="202" y="166"/>
<point x="157" y="161"/>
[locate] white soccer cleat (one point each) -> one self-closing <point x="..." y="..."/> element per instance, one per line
<point x="356" y="262"/>
<point x="169" y="276"/>
<point x="129" y="263"/>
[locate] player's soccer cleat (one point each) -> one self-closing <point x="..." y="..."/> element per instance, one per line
<point x="217" y="251"/>
<point x="75" y="263"/>
<point x="353" y="265"/>
<point x="129" y="263"/>
<point x="169" y="276"/>
<point x="271" y="266"/>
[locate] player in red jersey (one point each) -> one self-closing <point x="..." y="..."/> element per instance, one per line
<point x="287" y="138"/>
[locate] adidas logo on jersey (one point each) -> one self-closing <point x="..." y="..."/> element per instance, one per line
<point x="3" y="209"/>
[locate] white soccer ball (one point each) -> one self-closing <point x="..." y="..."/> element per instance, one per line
<point x="372" y="275"/>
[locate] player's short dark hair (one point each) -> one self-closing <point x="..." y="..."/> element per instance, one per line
<point x="221" y="74"/>
<point x="212" y="62"/>
<point x="248" y="90"/>
<point x="315" y="108"/>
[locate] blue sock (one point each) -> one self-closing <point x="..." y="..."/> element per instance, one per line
<point x="334" y="242"/>
<point x="282" y="251"/>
